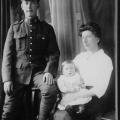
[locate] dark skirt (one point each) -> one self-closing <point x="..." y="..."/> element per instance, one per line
<point x="91" y="111"/>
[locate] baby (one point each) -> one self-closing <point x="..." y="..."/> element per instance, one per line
<point x="70" y="84"/>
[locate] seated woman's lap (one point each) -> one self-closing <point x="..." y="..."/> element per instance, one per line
<point x="92" y="109"/>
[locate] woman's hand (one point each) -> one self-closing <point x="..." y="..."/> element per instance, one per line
<point x="84" y="93"/>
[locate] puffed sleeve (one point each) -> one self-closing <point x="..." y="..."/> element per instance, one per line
<point x="103" y="78"/>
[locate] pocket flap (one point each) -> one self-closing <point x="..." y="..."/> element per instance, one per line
<point x="20" y="35"/>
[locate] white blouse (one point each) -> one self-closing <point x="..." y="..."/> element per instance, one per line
<point x="95" y="69"/>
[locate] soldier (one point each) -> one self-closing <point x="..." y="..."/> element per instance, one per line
<point x="30" y="57"/>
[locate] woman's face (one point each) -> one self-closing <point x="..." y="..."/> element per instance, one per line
<point x="90" y="41"/>
<point x="29" y="8"/>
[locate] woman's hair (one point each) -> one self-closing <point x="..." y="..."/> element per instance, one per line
<point x="93" y="27"/>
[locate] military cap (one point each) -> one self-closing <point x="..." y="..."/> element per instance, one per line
<point x="31" y="0"/>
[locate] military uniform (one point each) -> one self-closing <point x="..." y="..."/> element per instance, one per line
<point x="30" y="50"/>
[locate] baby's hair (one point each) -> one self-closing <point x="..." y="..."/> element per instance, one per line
<point x="66" y="62"/>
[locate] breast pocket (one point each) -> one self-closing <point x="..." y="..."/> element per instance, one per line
<point x="42" y="41"/>
<point x="21" y="41"/>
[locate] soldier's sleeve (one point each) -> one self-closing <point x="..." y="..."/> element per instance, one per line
<point x="53" y="53"/>
<point x="7" y="56"/>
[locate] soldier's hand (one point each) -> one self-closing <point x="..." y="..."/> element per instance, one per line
<point x="8" y="88"/>
<point x="48" y="78"/>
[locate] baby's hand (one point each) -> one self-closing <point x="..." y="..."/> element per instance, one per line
<point x="83" y="86"/>
<point x="73" y="90"/>
<point x="77" y="89"/>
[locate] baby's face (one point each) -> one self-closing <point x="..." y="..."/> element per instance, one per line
<point x="69" y="70"/>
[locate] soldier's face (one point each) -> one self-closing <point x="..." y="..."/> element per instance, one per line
<point x="29" y="8"/>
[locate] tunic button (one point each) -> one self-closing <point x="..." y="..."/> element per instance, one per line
<point x="30" y="30"/>
<point x="30" y="37"/>
<point x="30" y="43"/>
<point x="30" y="49"/>
<point x="30" y="55"/>
<point x="30" y="62"/>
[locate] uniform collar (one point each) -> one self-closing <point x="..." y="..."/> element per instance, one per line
<point x="32" y="21"/>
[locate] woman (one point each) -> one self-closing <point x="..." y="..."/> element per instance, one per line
<point x="95" y="67"/>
